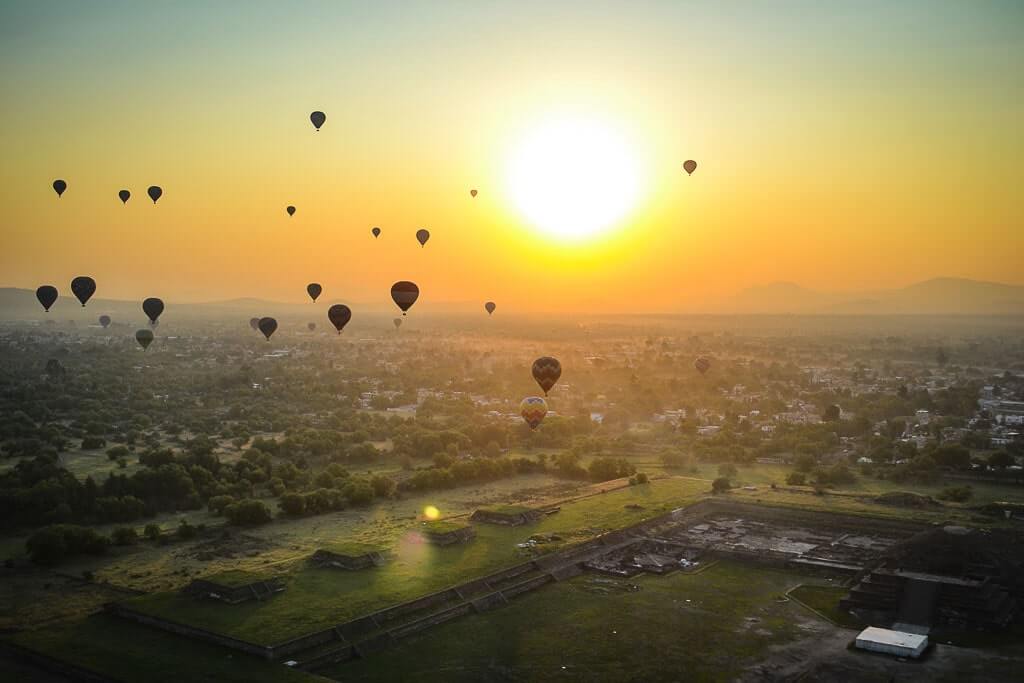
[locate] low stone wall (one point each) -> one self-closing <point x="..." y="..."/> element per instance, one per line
<point x="262" y="651"/>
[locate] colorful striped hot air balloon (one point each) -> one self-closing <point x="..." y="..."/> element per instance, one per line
<point x="533" y="409"/>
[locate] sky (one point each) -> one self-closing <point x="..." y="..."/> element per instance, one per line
<point x="842" y="146"/>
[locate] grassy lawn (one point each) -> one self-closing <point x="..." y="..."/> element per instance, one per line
<point x="317" y="598"/>
<point x="825" y="600"/>
<point x="700" y="627"/>
<point x="126" y="651"/>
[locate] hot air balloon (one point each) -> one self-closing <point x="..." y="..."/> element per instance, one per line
<point x="313" y="289"/>
<point x="268" y="326"/>
<point x="144" y="337"/>
<point x="125" y="195"/>
<point x="83" y="288"/>
<point x="376" y="232"/>
<point x="397" y="322"/>
<point x="311" y="326"/>
<point x="47" y="296"/>
<point x="290" y="210"/>
<point x="689" y="166"/>
<point x="404" y="294"/>
<point x="254" y="323"/>
<point x="533" y="409"/>
<point x="154" y="192"/>
<point x="702" y="364"/>
<point x="339" y="315"/>
<point x="422" y="236"/>
<point x="153" y="307"/>
<point x="59" y="186"/>
<point x="105" y="321"/>
<point x="318" y="118"/>
<point x="490" y="307"/>
<point x="546" y="370"/>
<point x="472" y="193"/>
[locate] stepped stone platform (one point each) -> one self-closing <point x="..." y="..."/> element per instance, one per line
<point x="234" y="587"/>
<point x="509" y="515"/>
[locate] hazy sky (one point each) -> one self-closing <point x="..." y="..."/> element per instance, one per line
<point x="845" y="145"/>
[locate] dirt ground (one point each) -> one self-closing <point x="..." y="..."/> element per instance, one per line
<point x="824" y="656"/>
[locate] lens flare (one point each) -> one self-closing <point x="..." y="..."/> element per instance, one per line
<point x="431" y="512"/>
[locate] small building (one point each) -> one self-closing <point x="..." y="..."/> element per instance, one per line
<point x="444" y="532"/>
<point x="509" y="515"/>
<point x="896" y="643"/>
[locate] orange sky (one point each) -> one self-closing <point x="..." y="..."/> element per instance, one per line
<point x="839" y="148"/>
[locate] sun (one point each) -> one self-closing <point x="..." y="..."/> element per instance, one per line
<point x="574" y="178"/>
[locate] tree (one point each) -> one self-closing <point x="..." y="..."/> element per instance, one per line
<point x="956" y="494"/>
<point x="124" y="535"/>
<point x="720" y="485"/>
<point x="1001" y="459"/>
<point x="728" y="470"/>
<point x="152" y="532"/>
<point x="796" y="479"/>
<point x="293" y="504"/>
<point x="638" y="478"/>
<point x="248" y="512"/>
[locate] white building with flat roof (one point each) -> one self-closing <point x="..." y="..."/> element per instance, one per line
<point x="890" y="642"/>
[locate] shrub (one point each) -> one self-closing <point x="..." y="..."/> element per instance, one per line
<point x="152" y="532"/>
<point x="956" y="494"/>
<point x="124" y="535"/>
<point x="720" y="485"/>
<point x="248" y="512"/>
<point x="638" y="478"/>
<point x="53" y="544"/>
<point x="185" y="531"/>
<point x="796" y="479"/>
<point x="217" y="504"/>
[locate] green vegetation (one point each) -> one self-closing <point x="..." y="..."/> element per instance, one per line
<point x="825" y="601"/>
<point x="125" y="651"/>
<point x="710" y="624"/>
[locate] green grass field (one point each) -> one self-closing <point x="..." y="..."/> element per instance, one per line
<point x="703" y="627"/>
<point x="125" y="651"/>
<point x="318" y="598"/>
<point x="825" y="601"/>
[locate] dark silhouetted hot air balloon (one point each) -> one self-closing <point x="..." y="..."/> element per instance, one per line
<point x="105" y="321"/>
<point x="125" y="195"/>
<point x="422" y="236"/>
<point x="153" y="307"/>
<point x="472" y="193"/>
<point x="404" y="294"/>
<point x="490" y="307"/>
<point x="339" y="315"/>
<point x="702" y="364"/>
<point x="59" y="186"/>
<point x="397" y="322"/>
<point x="144" y="337"/>
<point x="533" y="409"/>
<point x="376" y="232"/>
<point x="314" y="290"/>
<point x="318" y="118"/>
<point x="290" y="210"/>
<point x="47" y="296"/>
<point x="268" y="326"/>
<point x="689" y="166"/>
<point x="83" y="288"/>
<point x="311" y="326"/>
<point x="254" y="323"/>
<point x="154" y="192"/>
<point x="546" y="370"/>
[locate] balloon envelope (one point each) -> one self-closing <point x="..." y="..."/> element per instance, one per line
<point x="422" y="236"/>
<point x="314" y="290"/>
<point x="689" y="166"/>
<point x="533" y="409"/>
<point x="83" y="288"/>
<point x="339" y="315"/>
<point x="125" y="195"/>
<point x="254" y="323"/>
<point x="397" y="322"/>
<point x="702" y="365"/>
<point x="376" y="232"/>
<point x="546" y="370"/>
<point x="318" y="118"/>
<point x="145" y="338"/>
<point x="59" y="186"/>
<point x="490" y="307"/>
<point x="47" y="296"/>
<point x="105" y="321"/>
<point x="311" y="326"/>
<point x="472" y="193"/>
<point x="154" y="192"/>
<point x="290" y="210"/>
<point x="404" y="294"/>
<point x="267" y="327"/>
<point x="153" y="307"/>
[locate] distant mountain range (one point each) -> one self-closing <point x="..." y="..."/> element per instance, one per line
<point x="939" y="296"/>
